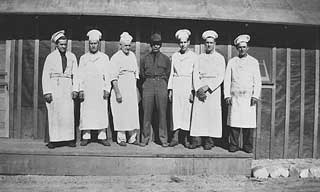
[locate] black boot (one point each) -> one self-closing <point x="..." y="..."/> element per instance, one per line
<point x="175" y="139"/>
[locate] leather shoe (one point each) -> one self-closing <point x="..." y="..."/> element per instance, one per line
<point x="173" y="143"/>
<point x="193" y="146"/>
<point x="207" y="147"/>
<point x="72" y="144"/>
<point x="51" y="145"/>
<point x="142" y="144"/>
<point x="122" y="144"/>
<point x="104" y="142"/>
<point x="247" y="150"/>
<point x="233" y="149"/>
<point x="84" y="142"/>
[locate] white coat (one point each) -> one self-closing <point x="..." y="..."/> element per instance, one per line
<point x="60" y="84"/>
<point x="125" y="70"/>
<point x="180" y="81"/>
<point x="242" y="81"/>
<point x="94" y="78"/>
<point x="207" y="115"/>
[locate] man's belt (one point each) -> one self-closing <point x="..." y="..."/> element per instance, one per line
<point x="207" y="76"/>
<point x="60" y="75"/>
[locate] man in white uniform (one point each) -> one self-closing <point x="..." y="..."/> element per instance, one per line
<point x="242" y="87"/>
<point x="59" y="90"/>
<point x="94" y="79"/>
<point x="180" y="88"/>
<point x="207" y="79"/>
<point x="124" y="97"/>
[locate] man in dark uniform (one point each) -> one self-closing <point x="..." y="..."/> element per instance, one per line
<point x="155" y="71"/>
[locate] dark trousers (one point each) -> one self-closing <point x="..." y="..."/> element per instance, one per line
<point x="247" y="138"/>
<point x="155" y="95"/>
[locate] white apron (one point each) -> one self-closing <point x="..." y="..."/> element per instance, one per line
<point x="94" y="79"/>
<point x="126" y="113"/>
<point x="180" y="81"/>
<point x="207" y="115"/>
<point x="242" y="81"/>
<point x="60" y="85"/>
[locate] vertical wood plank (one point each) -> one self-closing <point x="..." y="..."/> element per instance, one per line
<point x="138" y="55"/>
<point x="69" y="45"/>
<point x="7" y="97"/>
<point x="197" y="46"/>
<point x="229" y="52"/>
<point x="273" y="101"/>
<point x="35" y="88"/>
<point x="86" y="46"/>
<point x="302" y="108"/>
<point x="103" y="46"/>
<point x="287" y="118"/>
<point x="19" y="89"/>
<point x="316" y="109"/>
<point x="11" y="90"/>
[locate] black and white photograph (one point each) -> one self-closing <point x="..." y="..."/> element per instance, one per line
<point x="159" y="95"/>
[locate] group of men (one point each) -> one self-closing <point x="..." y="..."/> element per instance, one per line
<point x="191" y="82"/>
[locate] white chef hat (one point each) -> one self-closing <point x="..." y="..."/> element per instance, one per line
<point x="242" y="38"/>
<point x="183" y="34"/>
<point x="57" y="35"/>
<point x="94" y="35"/>
<point x="125" y="37"/>
<point x="209" y="33"/>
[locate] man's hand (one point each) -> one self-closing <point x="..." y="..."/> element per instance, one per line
<point x="48" y="97"/>
<point x="254" y="101"/>
<point x="118" y="97"/>
<point x="201" y="95"/>
<point x="170" y="95"/>
<point x="81" y="96"/>
<point x="74" y="95"/>
<point x="228" y="100"/>
<point x="105" y="94"/>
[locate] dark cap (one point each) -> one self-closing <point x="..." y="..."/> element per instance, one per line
<point x="156" y="37"/>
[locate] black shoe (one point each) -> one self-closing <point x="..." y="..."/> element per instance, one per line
<point x="193" y="146"/>
<point x="207" y="147"/>
<point x="71" y="144"/>
<point x="122" y="144"/>
<point x="233" y="149"/>
<point x="142" y="144"/>
<point x="104" y="142"/>
<point x="84" y="142"/>
<point x="51" y="145"/>
<point x="173" y="143"/>
<point x="247" y="149"/>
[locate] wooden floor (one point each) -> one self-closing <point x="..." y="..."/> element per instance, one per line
<point x="33" y="157"/>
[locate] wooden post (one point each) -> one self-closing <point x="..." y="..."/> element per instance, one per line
<point x="302" y="109"/>
<point x="69" y="45"/>
<point x="287" y="118"/>
<point x="138" y="55"/>
<point x="19" y="89"/>
<point x="316" y="109"/>
<point x="11" y="90"/>
<point x="86" y="46"/>
<point x="273" y="100"/>
<point x="35" y="88"/>
<point x="7" y="97"/>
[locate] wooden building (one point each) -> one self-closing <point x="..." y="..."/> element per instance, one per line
<point x="285" y="40"/>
